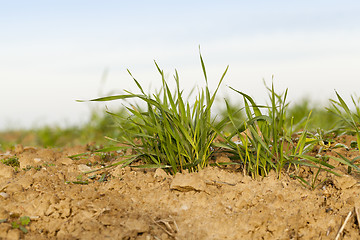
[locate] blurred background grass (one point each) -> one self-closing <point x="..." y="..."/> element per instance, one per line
<point x="101" y="124"/>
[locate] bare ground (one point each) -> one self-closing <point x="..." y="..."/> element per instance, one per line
<point x="129" y="203"/>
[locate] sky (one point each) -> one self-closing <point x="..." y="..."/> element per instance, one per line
<point x="55" y="52"/>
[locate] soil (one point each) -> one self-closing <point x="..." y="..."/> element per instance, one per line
<point x="131" y="203"/>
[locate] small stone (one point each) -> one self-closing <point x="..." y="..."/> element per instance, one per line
<point x="187" y="182"/>
<point x="184" y="207"/>
<point x="160" y="174"/>
<point x="4" y="195"/>
<point x="30" y="149"/>
<point x="84" y="168"/>
<point x="34" y="218"/>
<point x="65" y="161"/>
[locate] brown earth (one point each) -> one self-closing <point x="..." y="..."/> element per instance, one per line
<point x="126" y="203"/>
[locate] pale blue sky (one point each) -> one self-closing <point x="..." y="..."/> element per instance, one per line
<point x="53" y="52"/>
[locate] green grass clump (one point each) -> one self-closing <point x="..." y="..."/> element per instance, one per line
<point x="266" y="139"/>
<point x="172" y="132"/>
<point x="262" y="142"/>
<point x="177" y="135"/>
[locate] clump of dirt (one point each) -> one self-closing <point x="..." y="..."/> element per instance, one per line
<point x="125" y="203"/>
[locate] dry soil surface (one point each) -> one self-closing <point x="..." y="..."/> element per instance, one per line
<point x="126" y="203"/>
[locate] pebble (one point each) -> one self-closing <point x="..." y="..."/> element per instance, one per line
<point x="84" y="168"/>
<point x="4" y="194"/>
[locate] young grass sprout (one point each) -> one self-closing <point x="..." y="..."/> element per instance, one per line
<point x="263" y="142"/>
<point x="350" y="121"/>
<point x="171" y="133"/>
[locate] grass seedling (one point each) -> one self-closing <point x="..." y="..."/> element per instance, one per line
<point x="262" y="138"/>
<point x="314" y="183"/>
<point x="264" y="142"/>
<point x="350" y="121"/>
<point x="13" y="161"/>
<point x="350" y="163"/>
<point x="171" y="133"/>
<point x="21" y="223"/>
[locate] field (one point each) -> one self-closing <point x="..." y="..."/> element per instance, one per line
<point x="164" y="166"/>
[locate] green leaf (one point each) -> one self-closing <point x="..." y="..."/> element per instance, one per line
<point x="25" y="220"/>
<point x="203" y="65"/>
<point x="23" y="229"/>
<point x="111" y="149"/>
<point x="345" y="161"/>
<point x="15" y="225"/>
<point x="150" y="166"/>
<point x="111" y="98"/>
